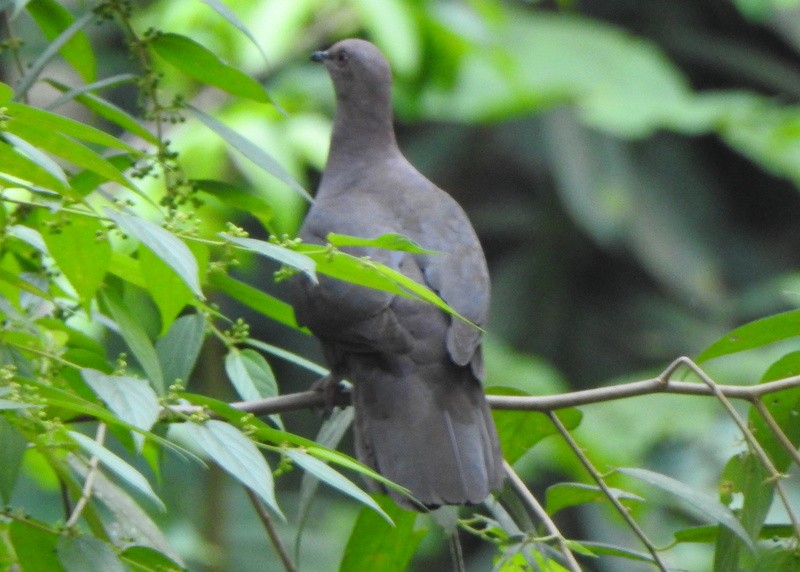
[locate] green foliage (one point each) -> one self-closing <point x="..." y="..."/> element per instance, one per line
<point x="120" y="238"/>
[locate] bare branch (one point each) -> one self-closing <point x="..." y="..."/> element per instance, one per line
<point x="542" y="403"/>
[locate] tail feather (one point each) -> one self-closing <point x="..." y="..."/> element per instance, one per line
<point x="433" y="436"/>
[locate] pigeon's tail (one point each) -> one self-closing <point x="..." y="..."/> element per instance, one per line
<point x="432" y="434"/>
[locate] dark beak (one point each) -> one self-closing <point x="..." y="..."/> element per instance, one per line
<point x="319" y="56"/>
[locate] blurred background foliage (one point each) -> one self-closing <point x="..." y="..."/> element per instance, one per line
<point x="632" y="169"/>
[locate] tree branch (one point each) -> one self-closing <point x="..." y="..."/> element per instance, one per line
<point x="541" y="403"/>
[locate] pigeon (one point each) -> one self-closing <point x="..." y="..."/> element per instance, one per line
<point x="421" y="418"/>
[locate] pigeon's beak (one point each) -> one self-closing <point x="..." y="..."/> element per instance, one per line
<point x="319" y="56"/>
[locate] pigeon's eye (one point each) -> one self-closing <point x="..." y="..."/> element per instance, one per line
<point x="342" y="57"/>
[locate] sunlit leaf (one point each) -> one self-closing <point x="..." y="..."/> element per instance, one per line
<point x="253" y="298"/>
<point x="387" y="241"/>
<point x="35" y="545"/>
<point x="79" y="254"/>
<point x="198" y="62"/>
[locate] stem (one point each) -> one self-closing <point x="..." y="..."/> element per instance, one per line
<point x="537" y="510"/>
<point x="607" y="491"/>
<point x="86" y="493"/>
<point x="266" y="520"/>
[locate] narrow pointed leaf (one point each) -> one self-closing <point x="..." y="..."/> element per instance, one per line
<point x="255" y="299"/>
<point x="32" y="73"/>
<point x="256" y="154"/>
<point x="754" y="335"/>
<point x="20" y="167"/>
<point x="200" y="63"/>
<point x="232" y="451"/>
<point x="118" y="466"/>
<point x="53" y="19"/>
<point x="334" y="479"/>
<point x="164" y="244"/>
<point x="698" y="502"/>
<point x="280" y="254"/>
<point x="391" y="241"/>
<point x="134" y="335"/>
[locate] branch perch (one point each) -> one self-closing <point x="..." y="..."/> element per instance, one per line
<point x="541" y="403"/>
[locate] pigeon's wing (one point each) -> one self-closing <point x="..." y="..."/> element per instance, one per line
<point x="460" y="276"/>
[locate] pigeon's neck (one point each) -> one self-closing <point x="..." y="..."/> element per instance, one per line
<point x="362" y="131"/>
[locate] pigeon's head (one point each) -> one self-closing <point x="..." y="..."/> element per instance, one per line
<point x="358" y="70"/>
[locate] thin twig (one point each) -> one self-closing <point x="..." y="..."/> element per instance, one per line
<point x="88" y="485"/>
<point x="266" y="520"/>
<point x="777" y="431"/>
<point x="776" y="476"/>
<point x="537" y="511"/>
<point x="637" y="530"/>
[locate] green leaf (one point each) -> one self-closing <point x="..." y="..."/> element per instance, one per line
<point x="255" y="299"/>
<point x="103" y="108"/>
<point x="146" y="559"/>
<point x="14" y="446"/>
<point x="253" y="152"/>
<point x="79" y="254"/>
<point x="70" y="127"/>
<point x="50" y="52"/>
<point x="291" y="357"/>
<point x="116" y="465"/>
<point x="334" y="479"/>
<point x="223" y="10"/>
<point x="6" y="93"/>
<point x="164" y="244"/>
<point x="53" y="19"/>
<point x="565" y="495"/>
<point x="391" y="241"/>
<point x="376" y="545"/>
<point x="24" y="169"/>
<point x="233" y="451"/>
<point x="22" y="284"/>
<point x="603" y="549"/>
<point x="263" y="432"/>
<point x="283" y="255"/>
<point x="238" y="197"/>
<point x="394" y="26"/>
<point x="519" y="431"/>
<point x="87" y="554"/>
<point x="131" y="399"/>
<point x="696" y="501"/>
<point x="35" y="545"/>
<point x="198" y="62"/>
<point x="168" y="290"/>
<point x="179" y="348"/>
<point x="134" y="335"/>
<point x="87" y="181"/>
<point x="250" y="374"/>
<point x="754" y="335"/>
<point x="62" y="146"/>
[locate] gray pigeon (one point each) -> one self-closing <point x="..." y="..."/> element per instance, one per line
<point x="421" y="417"/>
